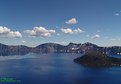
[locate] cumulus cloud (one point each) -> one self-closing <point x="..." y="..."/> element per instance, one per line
<point x="67" y="31"/>
<point x="40" y="32"/>
<point x="72" y="21"/>
<point x="95" y="36"/>
<point x="6" y="32"/>
<point x="70" y="31"/>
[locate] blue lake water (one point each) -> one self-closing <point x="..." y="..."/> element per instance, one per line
<point x="55" y="69"/>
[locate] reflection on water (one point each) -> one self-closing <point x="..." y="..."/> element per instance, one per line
<point x="3" y="58"/>
<point x="55" y="69"/>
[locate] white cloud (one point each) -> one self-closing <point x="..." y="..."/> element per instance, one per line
<point x="63" y="42"/>
<point x="95" y="36"/>
<point x="117" y="14"/>
<point x="67" y="31"/>
<point x="40" y="32"/>
<point x="72" y="21"/>
<point x="23" y="41"/>
<point x="70" y="31"/>
<point x="6" y="32"/>
<point x="16" y="34"/>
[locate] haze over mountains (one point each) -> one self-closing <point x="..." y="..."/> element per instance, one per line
<point x="6" y="50"/>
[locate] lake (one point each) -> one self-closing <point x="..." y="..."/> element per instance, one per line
<point x="54" y="69"/>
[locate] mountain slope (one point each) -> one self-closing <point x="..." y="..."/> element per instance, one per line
<point x="57" y="48"/>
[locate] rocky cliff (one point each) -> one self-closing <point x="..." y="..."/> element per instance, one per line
<point x="57" y="48"/>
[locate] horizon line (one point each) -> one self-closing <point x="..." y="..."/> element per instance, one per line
<point x="59" y="44"/>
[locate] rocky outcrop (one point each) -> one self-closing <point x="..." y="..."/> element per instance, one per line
<point x="6" y="50"/>
<point x="3" y="50"/>
<point x="19" y="50"/>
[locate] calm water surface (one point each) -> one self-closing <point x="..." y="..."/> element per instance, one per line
<point x="55" y="69"/>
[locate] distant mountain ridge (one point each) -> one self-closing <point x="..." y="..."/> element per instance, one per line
<point x="6" y="50"/>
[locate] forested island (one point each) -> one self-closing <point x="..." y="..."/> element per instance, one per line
<point x="97" y="59"/>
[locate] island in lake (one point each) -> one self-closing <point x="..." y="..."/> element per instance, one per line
<point x="97" y="59"/>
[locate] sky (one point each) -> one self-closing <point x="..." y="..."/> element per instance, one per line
<point x="33" y="22"/>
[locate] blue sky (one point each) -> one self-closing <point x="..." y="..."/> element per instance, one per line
<point x="32" y="22"/>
